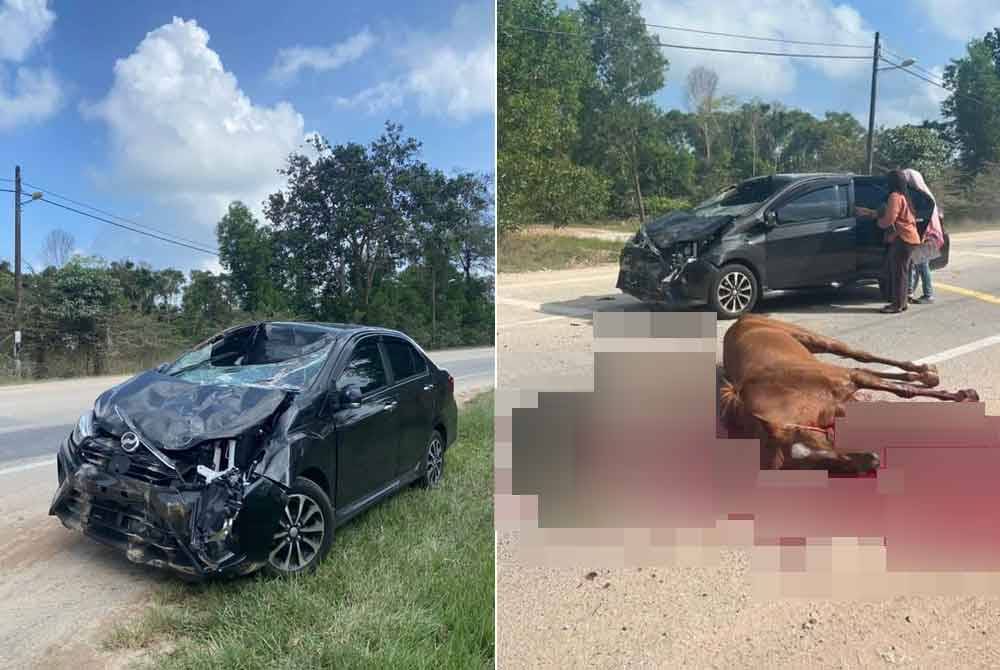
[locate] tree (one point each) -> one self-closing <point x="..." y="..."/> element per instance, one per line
<point x="246" y="252"/>
<point x="540" y="80"/>
<point x="973" y="107"/>
<point x="914" y="147"/>
<point x="630" y="68"/>
<point x="701" y="87"/>
<point x="58" y="248"/>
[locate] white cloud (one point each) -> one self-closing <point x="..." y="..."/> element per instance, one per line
<point x="291" y="61"/>
<point x="747" y="75"/>
<point x="27" y="94"/>
<point x="34" y="96"/>
<point x="450" y="74"/>
<point x="962" y="19"/>
<point x="23" y="25"/>
<point x="183" y="131"/>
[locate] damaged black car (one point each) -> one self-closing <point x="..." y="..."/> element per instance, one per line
<point x="775" y="233"/>
<point x="248" y="451"/>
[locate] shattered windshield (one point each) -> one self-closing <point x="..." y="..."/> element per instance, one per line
<point x="738" y="200"/>
<point x="274" y="355"/>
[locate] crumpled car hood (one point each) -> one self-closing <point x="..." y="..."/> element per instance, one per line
<point x="683" y="227"/>
<point x="176" y="414"/>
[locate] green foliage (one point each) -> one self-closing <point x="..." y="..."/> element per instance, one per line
<point x="973" y="108"/>
<point x="364" y="234"/>
<point x="661" y="204"/>
<point x="917" y="147"/>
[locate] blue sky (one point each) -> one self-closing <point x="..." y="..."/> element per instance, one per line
<point x="932" y="31"/>
<point x="207" y="99"/>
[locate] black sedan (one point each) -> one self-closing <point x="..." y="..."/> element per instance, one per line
<point x="248" y="451"/>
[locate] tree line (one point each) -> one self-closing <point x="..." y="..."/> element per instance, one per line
<point x="358" y="234"/>
<point x="580" y="136"/>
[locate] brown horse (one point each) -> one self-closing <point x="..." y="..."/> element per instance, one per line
<point x="777" y="391"/>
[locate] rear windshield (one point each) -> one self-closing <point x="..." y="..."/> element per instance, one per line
<point x="274" y="355"/>
<point x="740" y="199"/>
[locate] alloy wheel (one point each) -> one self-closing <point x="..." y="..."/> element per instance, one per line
<point x="435" y="460"/>
<point x="298" y="542"/>
<point x="735" y="292"/>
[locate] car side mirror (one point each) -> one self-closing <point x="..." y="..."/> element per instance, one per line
<point x="350" y="396"/>
<point x="770" y="218"/>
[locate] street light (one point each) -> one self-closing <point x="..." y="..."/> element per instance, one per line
<point x="906" y="63"/>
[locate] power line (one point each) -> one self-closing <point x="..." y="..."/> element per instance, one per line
<point x="929" y="81"/>
<point x="134" y="230"/>
<point x="115" y="216"/>
<point x="668" y="45"/>
<point x="762" y="39"/>
<point x="915" y="66"/>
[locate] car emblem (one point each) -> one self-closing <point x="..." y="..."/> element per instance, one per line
<point x="130" y="442"/>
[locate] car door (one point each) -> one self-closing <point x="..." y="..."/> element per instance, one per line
<point x="367" y="435"/>
<point x="870" y="193"/>
<point x="416" y="395"/>
<point x="812" y="241"/>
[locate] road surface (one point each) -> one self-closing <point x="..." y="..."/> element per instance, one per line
<point x="60" y="592"/>
<point x="703" y="617"/>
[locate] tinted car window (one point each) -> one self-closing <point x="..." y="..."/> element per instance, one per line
<point x="400" y="358"/>
<point x="825" y="203"/>
<point x="365" y="368"/>
<point x="419" y="364"/>
<point x="869" y="194"/>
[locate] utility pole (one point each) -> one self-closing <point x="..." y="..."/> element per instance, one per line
<point x="17" y="270"/>
<point x="871" y="107"/>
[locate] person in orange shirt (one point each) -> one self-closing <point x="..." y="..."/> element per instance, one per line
<point x="900" y="223"/>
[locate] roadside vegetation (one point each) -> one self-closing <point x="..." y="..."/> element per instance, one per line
<point x="409" y="584"/>
<point x="524" y="252"/>
<point x="582" y="140"/>
<point x="359" y="233"/>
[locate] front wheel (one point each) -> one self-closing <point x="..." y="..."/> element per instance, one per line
<point x="433" y="461"/>
<point x="734" y="291"/>
<point x="306" y="532"/>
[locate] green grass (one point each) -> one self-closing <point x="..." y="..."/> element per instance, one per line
<point x="408" y="584"/>
<point x="523" y="253"/>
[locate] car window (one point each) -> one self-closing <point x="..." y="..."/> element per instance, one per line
<point x="869" y="194"/>
<point x="419" y="362"/>
<point x="825" y="203"/>
<point x="364" y="369"/>
<point x="400" y="358"/>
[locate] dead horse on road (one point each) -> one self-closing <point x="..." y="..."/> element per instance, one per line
<point x="777" y="391"/>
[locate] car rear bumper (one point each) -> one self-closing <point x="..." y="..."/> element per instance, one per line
<point x="188" y="529"/>
<point x="648" y="277"/>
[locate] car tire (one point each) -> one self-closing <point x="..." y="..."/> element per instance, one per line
<point x="734" y="292"/>
<point x="433" y="462"/>
<point x="306" y="540"/>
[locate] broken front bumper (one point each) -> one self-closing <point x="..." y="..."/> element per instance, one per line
<point x="649" y="277"/>
<point x="199" y="530"/>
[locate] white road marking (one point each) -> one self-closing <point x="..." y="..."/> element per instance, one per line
<point x="583" y="279"/>
<point x="27" y="466"/>
<point x="959" y="351"/>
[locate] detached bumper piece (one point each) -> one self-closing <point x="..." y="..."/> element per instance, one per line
<point x="198" y="529"/>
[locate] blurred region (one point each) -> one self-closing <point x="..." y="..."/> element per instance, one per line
<point x="639" y="472"/>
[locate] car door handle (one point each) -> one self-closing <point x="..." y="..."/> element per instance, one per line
<point x="843" y="229"/>
<point x="428" y="387"/>
<point x="390" y="406"/>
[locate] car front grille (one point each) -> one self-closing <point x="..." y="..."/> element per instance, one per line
<point x="142" y="464"/>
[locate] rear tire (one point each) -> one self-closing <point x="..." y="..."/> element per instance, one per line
<point x="433" y="462"/>
<point x="306" y="532"/>
<point x="734" y="292"/>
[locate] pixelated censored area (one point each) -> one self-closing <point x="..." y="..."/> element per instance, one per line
<point x="640" y="471"/>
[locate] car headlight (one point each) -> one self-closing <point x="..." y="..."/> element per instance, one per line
<point x="84" y="428"/>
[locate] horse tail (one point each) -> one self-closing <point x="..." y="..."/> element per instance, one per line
<point x="730" y="404"/>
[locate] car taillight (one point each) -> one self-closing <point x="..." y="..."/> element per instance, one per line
<point x="451" y="384"/>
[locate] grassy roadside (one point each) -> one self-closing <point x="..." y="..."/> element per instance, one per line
<point x="524" y="253"/>
<point x="409" y="584"/>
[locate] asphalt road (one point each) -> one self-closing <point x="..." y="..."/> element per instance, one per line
<point x="702" y="617"/>
<point x="59" y="592"/>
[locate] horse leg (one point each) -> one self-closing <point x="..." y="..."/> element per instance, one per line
<point x="818" y="344"/>
<point x="928" y="379"/>
<point x="864" y="379"/>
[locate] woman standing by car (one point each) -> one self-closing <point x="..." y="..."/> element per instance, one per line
<point x="900" y="222"/>
<point x="930" y="247"/>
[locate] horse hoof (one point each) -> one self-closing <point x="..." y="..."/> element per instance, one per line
<point x="930" y="379"/>
<point x="968" y="395"/>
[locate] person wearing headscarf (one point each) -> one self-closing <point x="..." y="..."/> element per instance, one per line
<point x="931" y="242"/>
